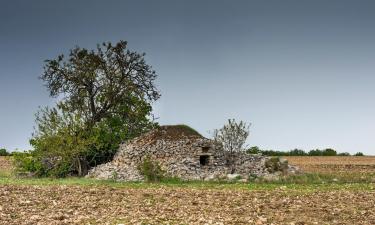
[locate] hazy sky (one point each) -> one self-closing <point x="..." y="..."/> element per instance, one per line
<point x="302" y="72"/>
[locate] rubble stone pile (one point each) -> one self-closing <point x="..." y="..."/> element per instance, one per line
<point x="184" y="153"/>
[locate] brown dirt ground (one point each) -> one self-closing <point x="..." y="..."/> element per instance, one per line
<point x="171" y="205"/>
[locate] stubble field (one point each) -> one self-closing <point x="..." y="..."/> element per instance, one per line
<point x="83" y="201"/>
<point x="5" y="166"/>
<point x="346" y="168"/>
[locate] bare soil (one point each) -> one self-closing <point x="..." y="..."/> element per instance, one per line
<point x="41" y="203"/>
<point x="21" y="204"/>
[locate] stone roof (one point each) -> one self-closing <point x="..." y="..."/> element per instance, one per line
<point x="169" y="133"/>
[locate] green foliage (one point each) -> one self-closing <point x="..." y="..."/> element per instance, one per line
<point x="232" y="136"/>
<point x="254" y="150"/>
<point x="3" y="152"/>
<point x="252" y="177"/>
<point x="296" y="152"/>
<point x="344" y="154"/>
<point x="114" y="176"/>
<point x="257" y="150"/>
<point x="105" y="97"/>
<point x="326" y="152"/>
<point x="274" y="164"/>
<point x="151" y="170"/>
<point x="26" y="162"/>
<point x="359" y="154"/>
<point x="186" y="129"/>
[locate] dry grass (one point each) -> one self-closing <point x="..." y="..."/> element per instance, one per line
<point x="334" y="164"/>
<point x="6" y="167"/>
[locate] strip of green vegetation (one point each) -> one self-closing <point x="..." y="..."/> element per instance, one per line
<point x="305" y="187"/>
<point x="300" y="152"/>
<point x="5" y="174"/>
<point x="305" y="182"/>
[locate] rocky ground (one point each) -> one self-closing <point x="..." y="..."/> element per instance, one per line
<point x="75" y="204"/>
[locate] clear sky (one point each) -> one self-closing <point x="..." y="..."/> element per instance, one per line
<point x="302" y="72"/>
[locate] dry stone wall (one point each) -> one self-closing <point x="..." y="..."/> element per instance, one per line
<point x="187" y="157"/>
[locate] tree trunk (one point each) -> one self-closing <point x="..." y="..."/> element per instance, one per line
<point x="82" y="167"/>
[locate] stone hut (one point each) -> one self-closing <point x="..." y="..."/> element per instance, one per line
<point x="181" y="152"/>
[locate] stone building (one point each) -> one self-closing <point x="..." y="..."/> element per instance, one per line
<point x="183" y="153"/>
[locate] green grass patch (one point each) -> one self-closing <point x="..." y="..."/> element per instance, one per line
<point x="306" y="182"/>
<point x="320" y="178"/>
<point x="5" y="174"/>
<point x="305" y="187"/>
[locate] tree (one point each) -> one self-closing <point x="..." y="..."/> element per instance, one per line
<point x="344" y="154"/>
<point x="329" y="152"/>
<point x="109" y="82"/>
<point x="359" y="154"/>
<point x="315" y="152"/>
<point x="254" y="150"/>
<point x="104" y="98"/>
<point x="3" y="152"/>
<point x="232" y="136"/>
<point x="296" y="152"/>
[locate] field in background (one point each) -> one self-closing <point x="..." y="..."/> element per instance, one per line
<point x="315" y="198"/>
<point x="6" y="167"/>
<point x="342" y="169"/>
<point x="357" y="167"/>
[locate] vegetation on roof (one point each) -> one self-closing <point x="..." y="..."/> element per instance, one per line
<point x="170" y="132"/>
<point x="181" y="129"/>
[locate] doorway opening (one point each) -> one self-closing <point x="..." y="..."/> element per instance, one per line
<point x="204" y="160"/>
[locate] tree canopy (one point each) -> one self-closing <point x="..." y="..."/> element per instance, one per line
<point x="104" y="96"/>
<point x="106" y="82"/>
<point x="3" y="152"/>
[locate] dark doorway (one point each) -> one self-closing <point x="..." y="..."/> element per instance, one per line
<point x="204" y="160"/>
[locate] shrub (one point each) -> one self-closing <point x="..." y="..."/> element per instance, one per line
<point x="186" y="129"/>
<point x="114" y="176"/>
<point x="252" y="177"/>
<point x="151" y="170"/>
<point x="275" y="164"/>
<point x="297" y="152"/>
<point x="3" y="152"/>
<point x="359" y="154"/>
<point x="26" y="162"/>
<point x="329" y="152"/>
<point x="344" y="154"/>
<point x="41" y="166"/>
<point x="326" y="152"/>
<point x="254" y="150"/>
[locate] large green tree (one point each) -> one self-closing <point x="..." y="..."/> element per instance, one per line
<point x="104" y="96"/>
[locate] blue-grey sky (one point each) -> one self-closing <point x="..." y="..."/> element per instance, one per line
<point x="302" y="72"/>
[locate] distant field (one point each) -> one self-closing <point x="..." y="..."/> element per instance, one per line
<point x="334" y="164"/>
<point x="6" y="167"/>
